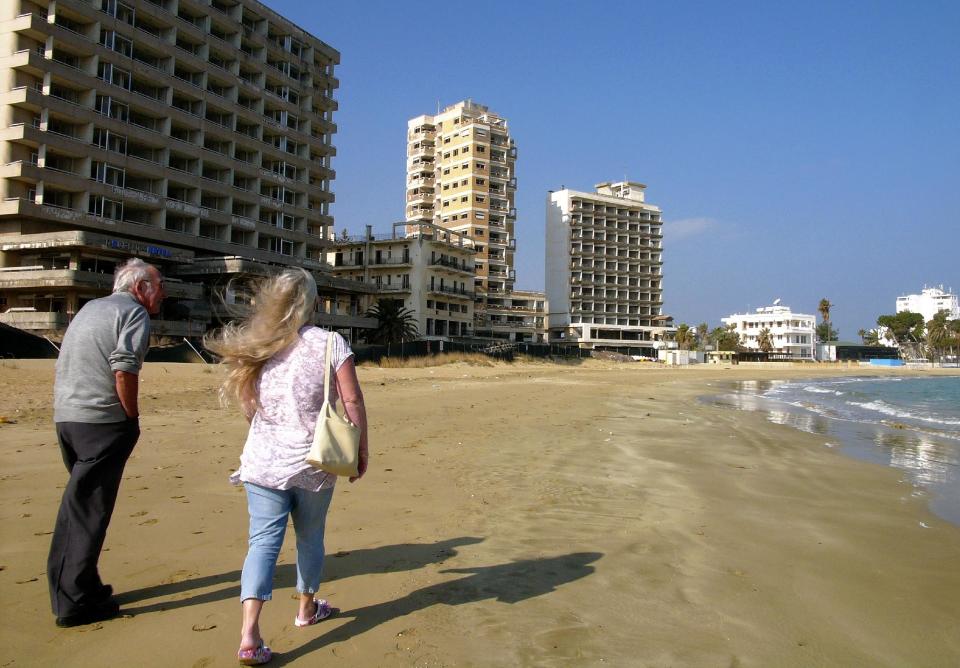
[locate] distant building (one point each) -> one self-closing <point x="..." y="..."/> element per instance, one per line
<point x="929" y="302"/>
<point x="517" y="316"/>
<point x="460" y="176"/>
<point x="792" y="334"/>
<point x="604" y="270"/>
<point x="429" y="268"/>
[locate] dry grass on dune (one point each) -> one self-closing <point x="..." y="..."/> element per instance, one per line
<point x="420" y="362"/>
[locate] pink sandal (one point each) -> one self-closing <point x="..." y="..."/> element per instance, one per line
<point x="323" y="611"/>
<point x="258" y="656"/>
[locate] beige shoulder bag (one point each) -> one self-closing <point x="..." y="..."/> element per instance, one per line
<point x="336" y="440"/>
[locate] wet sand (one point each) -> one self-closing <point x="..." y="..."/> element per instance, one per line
<point x="514" y="515"/>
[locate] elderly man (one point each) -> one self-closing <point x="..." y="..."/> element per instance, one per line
<point x="97" y="418"/>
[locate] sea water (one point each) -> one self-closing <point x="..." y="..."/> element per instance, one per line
<point x="912" y="424"/>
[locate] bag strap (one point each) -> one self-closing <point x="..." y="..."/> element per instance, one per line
<point x="328" y="366"/>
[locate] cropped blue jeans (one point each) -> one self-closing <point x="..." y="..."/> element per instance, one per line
<point x="269" y="509"/>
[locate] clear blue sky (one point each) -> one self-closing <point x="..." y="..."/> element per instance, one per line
<point x="798" y="150"/>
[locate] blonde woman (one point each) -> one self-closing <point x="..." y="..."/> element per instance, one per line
<point x="275" y="361"/>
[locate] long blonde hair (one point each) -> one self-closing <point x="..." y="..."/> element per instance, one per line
<point x="281" y="305"/>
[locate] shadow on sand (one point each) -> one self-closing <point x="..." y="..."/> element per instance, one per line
<point x="385" y="559"/>
<point x="508" y="583"/>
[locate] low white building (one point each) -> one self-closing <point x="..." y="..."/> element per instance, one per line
<point x="792" y="334"/>
<point x="929" y="302"/>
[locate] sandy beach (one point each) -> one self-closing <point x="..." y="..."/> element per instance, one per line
<point x="514" y="515"/>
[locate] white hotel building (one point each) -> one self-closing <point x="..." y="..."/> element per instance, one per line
<point x="604" y="270"/>
<point x="929" y="302"/>
<point x="792" y="334"/>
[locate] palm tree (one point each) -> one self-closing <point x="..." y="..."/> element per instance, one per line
<point x="684" y="336"/>
<point x="702" y="330"/>
<point x="765" y="340"/>
<point x="938" y="334"/>
<point x="395" y="323"/>
<point x="872" y="338"/>
<point x="824" y="307"/>
<point x="862" y="333"/>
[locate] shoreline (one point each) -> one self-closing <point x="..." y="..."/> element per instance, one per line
<point x="566" y="515"/>
<point x="922" y="456"/>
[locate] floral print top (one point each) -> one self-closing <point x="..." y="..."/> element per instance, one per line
<point x="290" y="389"/>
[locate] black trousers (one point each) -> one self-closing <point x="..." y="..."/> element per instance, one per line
<point x="95" y="455"/>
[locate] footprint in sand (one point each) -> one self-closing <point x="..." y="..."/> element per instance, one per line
<point x="148" y="522"/>
<point x="177" y="576"/>
<point x="139" y="514"/>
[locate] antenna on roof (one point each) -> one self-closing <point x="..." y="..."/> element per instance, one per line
<point x="776" y="302"/>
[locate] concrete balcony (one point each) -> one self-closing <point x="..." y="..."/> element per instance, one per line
<point x="452" y="266"/>
<point x="22" y="133"/>
<point x="23" y="170"/>
<point x="453" y="292"/>
<point x="422" y="181"/>
<point x="422" y="135"/>
<point x="425" y="148"/>
<point x="31" y="24"/>
<point x="419" y="197"/>
<point x="16" y="278"/>
<point x="388" y="263"/>
<point x="525" y="325"/>
<point x="35" y="320"/>
<point x="178" y="328"/>
<point x="391" y="289"/>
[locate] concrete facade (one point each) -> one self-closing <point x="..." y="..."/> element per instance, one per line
<point x="427" y="267"/>
<point x="461" y="175"/>
<point x="180" y="131"/>
<point x="604" y="270"/>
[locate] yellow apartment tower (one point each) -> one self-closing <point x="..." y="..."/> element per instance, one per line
<point x="460" y="176"/>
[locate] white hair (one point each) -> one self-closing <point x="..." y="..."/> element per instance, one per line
<point x="130" y="273"/>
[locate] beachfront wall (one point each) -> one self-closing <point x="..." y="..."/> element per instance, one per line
<point x="842" y="351"/>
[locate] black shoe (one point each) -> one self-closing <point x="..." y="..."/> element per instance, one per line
<point x="97" y="612"/>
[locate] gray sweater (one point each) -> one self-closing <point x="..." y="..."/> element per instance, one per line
<point x="107" y="335"/>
